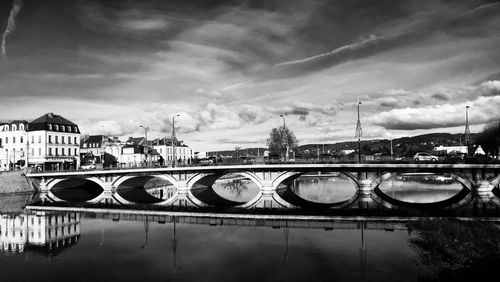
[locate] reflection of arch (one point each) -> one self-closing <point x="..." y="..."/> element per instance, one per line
<point x="120" y="198"/>
<point x="288" y="177"/>
<point x="495" y="181"/>
<point x="212" y="177"/>
<point x="460" y="199"/>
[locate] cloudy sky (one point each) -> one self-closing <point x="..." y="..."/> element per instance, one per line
<point x="230" y="68"/>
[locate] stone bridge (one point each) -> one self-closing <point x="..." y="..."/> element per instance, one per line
<point x="480" y="183"/>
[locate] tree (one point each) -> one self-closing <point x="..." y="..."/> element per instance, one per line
<point x="489" y="139"/>
<point x="278" y="140"/>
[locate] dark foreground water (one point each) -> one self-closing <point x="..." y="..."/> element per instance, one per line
<point x="116" y="247"/>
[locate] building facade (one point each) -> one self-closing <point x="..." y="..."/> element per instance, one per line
<point x="54" y="142"/>
<point x="183" y="153"/>
<point x="13" y="144"/>
<point x="49" y="142"/>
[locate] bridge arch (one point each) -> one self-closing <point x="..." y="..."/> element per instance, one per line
<point x="290" y="176"/>
<point x="463" y="197"/>
<point x="214" y="176"/>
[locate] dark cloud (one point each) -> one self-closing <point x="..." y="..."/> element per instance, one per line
<point x="441" y="96"/>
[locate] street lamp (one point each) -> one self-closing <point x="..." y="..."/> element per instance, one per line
<point x="467" y="130"/>
<point x="174" y="141"/>
<point x="145" y="142"/>
<point x="285" y="136"/>
<point x="359" y="133"/>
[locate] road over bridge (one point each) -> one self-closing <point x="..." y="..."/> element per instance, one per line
<point x="480" y="183"/>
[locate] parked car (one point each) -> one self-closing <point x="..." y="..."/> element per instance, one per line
<point x="88" y="166"/>
<point x="422" y="156"/>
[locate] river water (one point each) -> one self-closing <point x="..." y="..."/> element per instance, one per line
<point x="46" y="243"/>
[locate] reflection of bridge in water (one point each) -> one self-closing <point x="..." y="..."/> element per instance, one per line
<point x="480" y="184"/>
<point x="215" y="219"/>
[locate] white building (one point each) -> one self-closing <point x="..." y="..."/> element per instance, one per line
<point x="13" y="145"/>
<point x="451" y="150"/>
<point x="183" y="153"/>
<point x="50" y="141"/>
<point x="54" y="142"/>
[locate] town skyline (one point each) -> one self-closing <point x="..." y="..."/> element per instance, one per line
<point x="230" y="68"/>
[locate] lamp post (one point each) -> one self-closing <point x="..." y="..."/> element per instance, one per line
<point x="145" y="142"/>
<point x="285" y="136"/>
<point x="359" y="133"/>
<point x="467" y="130"/>
<point x="174" y="140"/>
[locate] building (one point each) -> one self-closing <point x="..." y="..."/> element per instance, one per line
<point x="446" y="150"/>
<point x="183" y="153"/>
<point x="94" y="147"/>
<point x="13" y="144"/>
<point x="50" y="142"/>
<point x="54" y="142"/>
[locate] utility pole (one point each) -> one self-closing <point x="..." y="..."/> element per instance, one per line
<point x="286" y="137"/>
<point x="145" y="142"/>
<point x="359" y="133"/>
<point x="174" y="141"/>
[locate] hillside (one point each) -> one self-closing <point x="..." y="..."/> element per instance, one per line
<point x="405" y="146"/>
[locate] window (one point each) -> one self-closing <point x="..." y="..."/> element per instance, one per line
<point x="14" y="127"/>
<point x="39" y="138"/>
<point x="76" y="154"/>
<point x="32" y="152"/>
<point x="21" y="127"/>
<point x="50" y="139"/>
<point x="57" y="139"/>
<point x="63" y="128"/>
<point x="32" y="139"/>
<point x="69" y="139"/>
<point x="57" y="151"/>
<point x="49" y="126"/>
<point x="62" y="151"/>
<point x="39" y="151"/>
<point x="62" y="139"/>
<point x="22" y="139"/>
<point x="75" y="141"/>
<point x="56" y="127"/>
<point x="69" y="128"/>
<point x="50" y="151"/>
<point x="13" y="139"/>
<point x="75" y="129"/>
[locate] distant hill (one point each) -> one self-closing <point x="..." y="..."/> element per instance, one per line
<point x="405" y="146"/>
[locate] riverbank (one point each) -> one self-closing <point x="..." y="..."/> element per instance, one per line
<point x="15" y="182"/>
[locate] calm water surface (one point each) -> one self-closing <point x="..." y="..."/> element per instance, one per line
<point x="151" y="251"/>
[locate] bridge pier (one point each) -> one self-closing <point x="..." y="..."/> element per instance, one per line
<point x="482" y="190"/>
<point x="365" y="192"/>
<point x="183" y="198"/>
<point x="268" y="197"/>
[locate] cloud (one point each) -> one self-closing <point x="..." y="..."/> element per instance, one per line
<point x="441" y="96"/>
<point x="483" y="109"/>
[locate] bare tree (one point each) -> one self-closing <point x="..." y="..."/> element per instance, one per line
<point x="279" y="139"/>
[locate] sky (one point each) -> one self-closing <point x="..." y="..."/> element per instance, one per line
<point x="230" y="68"/>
